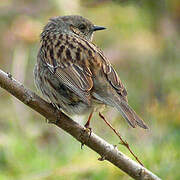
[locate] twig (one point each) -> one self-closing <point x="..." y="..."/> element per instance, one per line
<point x="125" y="143"/>
<point x="104" y="149"/>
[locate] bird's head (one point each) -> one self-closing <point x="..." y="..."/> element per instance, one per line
<point x="73" y="24"/>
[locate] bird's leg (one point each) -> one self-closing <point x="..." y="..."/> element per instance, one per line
<point x="88" y="121"/>
<point x="88" y="128"/>
<point x="87" y="125"/>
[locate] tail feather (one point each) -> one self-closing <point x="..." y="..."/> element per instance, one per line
<point x="123" y="107"/>
<point x="130" y="115"/>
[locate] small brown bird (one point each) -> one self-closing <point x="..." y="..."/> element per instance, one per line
<point x="73" y="73"/>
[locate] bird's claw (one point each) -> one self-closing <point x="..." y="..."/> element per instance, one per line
<point x="102" y="158"/>
<point x="88" y="130"/>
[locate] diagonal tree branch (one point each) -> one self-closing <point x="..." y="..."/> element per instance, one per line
<point x="105" y="150"/>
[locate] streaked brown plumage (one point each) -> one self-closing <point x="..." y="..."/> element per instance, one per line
<point x="74" y="75"/>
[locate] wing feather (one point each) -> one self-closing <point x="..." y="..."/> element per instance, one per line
<point x="63" y="62"/>
<point x="115" y="81"/>
<point x="73" y="73"/>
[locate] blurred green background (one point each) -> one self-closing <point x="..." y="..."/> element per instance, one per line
<point x="142" y="41"/>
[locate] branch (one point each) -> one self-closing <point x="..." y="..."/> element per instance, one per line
<point x="125" y="143"/>
<point x="105" y="150"/>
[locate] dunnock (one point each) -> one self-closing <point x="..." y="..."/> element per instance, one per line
<point x="73" y="73"/>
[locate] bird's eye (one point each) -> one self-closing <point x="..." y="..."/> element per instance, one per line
<point x="82" y="27"/>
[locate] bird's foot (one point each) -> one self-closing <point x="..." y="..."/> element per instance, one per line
<point x="87" y="130"/>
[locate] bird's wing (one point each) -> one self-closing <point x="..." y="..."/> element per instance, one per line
<point x="64" y="58"/>
<point x="111" y="74"/>
<point x="118" y="100"/>
<point x="115" y="81"/>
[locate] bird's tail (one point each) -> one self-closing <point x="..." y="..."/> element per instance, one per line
<point x="123" y="107"/>
<point x="130" y="115"/>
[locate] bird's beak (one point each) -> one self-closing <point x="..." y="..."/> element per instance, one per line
<point x="97" y="28"/>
